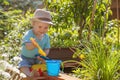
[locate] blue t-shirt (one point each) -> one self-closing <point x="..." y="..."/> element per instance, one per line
<point x="44" y="44"/>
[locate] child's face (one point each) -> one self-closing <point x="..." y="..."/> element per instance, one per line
<point x="40" y="28"/>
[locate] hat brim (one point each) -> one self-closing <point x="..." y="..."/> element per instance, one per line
<point x="35" y="19"/>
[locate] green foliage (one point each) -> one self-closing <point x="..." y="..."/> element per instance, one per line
<point x="70" y="12"/>
<point x="61" y="16"/>
<point x="9" y="20"/>
<point x="112" y="32"/>
<point x="102" y="61"/>
<point x="79" y="12"/>
<point x="63" y="37"/>
<point x="102" y="16"/>
<point x="11" y="44"/>
<point x="64" y="31"/>
<point x="10" y="11"/>
<point x="20" y="4"/>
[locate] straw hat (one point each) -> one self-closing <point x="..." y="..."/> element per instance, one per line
<point x="42" y="16"/>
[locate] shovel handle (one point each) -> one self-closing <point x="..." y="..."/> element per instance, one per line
<point x="41" y="52"/>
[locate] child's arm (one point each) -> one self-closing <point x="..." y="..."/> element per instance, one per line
<point x="30" y="46"/>
<point x="42" y="60"/>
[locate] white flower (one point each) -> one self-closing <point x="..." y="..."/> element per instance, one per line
<point x="17" y="59"/>
<point x="4" y="74"/>
<point x="22" y="75"/>
<point x="4" y="64"/>
<point x="1" y="48"/>
<point x="4" y="55"/>
<point x="10" y="48"/>
<point x="15" y="70"/>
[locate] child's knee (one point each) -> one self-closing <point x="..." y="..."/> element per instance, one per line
<point x="24" y="68"/>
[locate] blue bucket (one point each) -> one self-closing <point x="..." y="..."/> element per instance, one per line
<point x="53" y="67"/>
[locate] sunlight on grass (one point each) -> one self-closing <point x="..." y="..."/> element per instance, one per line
<point x="101" y="63"/>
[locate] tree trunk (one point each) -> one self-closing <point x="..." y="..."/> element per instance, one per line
<point x="118" y="19"/>
<point x="81" y="25"/>
<point x="92" y="19"/>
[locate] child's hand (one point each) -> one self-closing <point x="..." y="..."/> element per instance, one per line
<point x="42" y="60"/>
<point x="30" y="46"/>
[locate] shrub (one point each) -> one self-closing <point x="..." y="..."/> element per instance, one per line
<point x="101" y="62"/>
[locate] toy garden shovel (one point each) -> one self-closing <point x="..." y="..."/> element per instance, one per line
<point x="40" y="51"/>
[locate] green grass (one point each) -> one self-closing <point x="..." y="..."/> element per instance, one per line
<point x="101" y="63"/>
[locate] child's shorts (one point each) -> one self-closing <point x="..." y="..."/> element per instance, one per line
<point x="27" y="62"/>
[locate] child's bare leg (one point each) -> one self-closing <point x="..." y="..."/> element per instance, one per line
<point x="25" y="70"/>
<point x="32" y="75"/>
